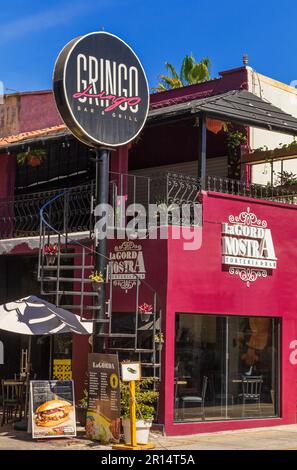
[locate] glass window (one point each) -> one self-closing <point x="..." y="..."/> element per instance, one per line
<point x="226" y="367"/>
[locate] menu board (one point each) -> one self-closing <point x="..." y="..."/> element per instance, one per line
<point x="103" y="416"/>
<point x="52" y="408"/>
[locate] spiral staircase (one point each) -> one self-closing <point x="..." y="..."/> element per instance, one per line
<point x="64" y="278"/>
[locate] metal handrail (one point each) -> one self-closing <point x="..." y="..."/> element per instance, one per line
<point x="19" y="216"/>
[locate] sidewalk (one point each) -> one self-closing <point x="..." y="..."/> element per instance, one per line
<point x="272" y="438"/>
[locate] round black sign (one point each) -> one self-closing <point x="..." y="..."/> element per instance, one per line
<point x="101" y="90"/>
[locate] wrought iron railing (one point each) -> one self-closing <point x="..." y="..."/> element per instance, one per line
<point x="174" y="188"/>
<point x="19" y="217"/>
<point x="283" y="194"/>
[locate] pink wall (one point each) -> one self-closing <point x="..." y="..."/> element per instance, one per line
<point x="198" y="284"/>
<point x="124" y="301"/>
<point x="38" y="111"/>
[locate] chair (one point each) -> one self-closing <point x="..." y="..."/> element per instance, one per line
<point x="198" y="401"/>
<point x="216" y="382"/>
<point x="12" y="399"/>
<point x="251" y="393"/>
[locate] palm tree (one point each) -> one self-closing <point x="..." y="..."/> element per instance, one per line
<point x="191" y="72"/>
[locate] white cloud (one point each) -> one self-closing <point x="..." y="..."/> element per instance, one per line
<point x="56" y="16"/>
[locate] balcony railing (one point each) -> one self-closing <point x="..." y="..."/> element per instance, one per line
<point x="19" y="217"/>
<point x="286" y="195"/>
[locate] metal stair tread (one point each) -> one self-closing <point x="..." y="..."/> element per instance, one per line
<point x="67" y="279"/>
<point x="67" y="267"/>
<point x="70" y="292"/>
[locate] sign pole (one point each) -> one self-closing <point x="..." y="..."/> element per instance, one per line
<point x="102" y="197"/>
<point x="132" y="413"/>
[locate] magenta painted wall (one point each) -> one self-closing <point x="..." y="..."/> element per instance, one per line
<point x="155" y="261"/>
<point x="38" y="111"/>
<point x="198" y="284"/>
<point x="194" y="282"/>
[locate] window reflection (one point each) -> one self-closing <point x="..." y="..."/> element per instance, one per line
<point x="225" y="367"/>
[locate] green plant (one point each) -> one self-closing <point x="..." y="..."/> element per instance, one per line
<point x="235" y="139"/>
<point x="145" y="398"/>
<point x="96" y="277"/>
<point x="159" y="337"/>
<point x="291" y="146"/>
<point x="23" y="157"/>
<point x="83" y="402"/>
<point x="285" y="178"/>
<point x="191" y="72"/>
<point x="271" y="152"/>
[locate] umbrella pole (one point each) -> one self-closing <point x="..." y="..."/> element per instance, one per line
<point x="23" y="424"/>
<point x="28" y="369"/>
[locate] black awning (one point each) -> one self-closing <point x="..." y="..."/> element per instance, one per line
<point x="238" y="106"/>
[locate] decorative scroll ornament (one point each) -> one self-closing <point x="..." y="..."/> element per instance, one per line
<point x="247" y="218"/>
<point x="128" y="245"/>
<point x="248" y="275"/>
<point x="124" y="284"/>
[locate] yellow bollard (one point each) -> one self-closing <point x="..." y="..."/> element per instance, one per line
<point x="132" y="413"/>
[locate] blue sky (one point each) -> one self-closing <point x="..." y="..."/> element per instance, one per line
<point x="32" y="33"/>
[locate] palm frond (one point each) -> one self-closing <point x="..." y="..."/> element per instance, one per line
<point x="186" y="68"/>
<point x="171" y="69"/>
<point x="191" y="72"/>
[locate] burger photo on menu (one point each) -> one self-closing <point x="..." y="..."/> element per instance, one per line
<point x="53" y="413"/>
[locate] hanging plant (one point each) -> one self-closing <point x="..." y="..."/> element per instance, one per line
<point x="33" y="157"/>
<point x="159" y="340"/>
<point x="145" y="311"/>
<point x="234" y="141"/>
<point x="97" y="280"/>
<point x="50" y="251"/>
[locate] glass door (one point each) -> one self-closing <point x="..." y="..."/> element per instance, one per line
<point x="200" y="367"/>
<point x="253" y="367"/>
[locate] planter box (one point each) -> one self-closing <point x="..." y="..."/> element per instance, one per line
<point x="262" y="156"/>
<point x="142" y="430"/>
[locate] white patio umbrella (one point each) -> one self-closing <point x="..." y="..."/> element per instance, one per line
<point x="34" y="316"/>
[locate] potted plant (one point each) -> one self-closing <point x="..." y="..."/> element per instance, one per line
<point x="159" y="339"/>
<point x="50" y="250"/>
<point x="81" y="408"/>
<point x="32" y="157"/>
<point x="167" y="213"/>
<point x="146" y="399"/>
<point x="145" y="311"/>
<point x="97" y="280"/>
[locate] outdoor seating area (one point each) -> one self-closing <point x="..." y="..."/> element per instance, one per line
<point x="30" y="317"/>
<point x="13" y="400"/>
